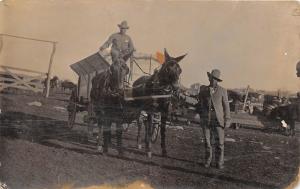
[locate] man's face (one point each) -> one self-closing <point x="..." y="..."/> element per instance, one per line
<point x="212" y="81"/>
<point x="123" y="30"/>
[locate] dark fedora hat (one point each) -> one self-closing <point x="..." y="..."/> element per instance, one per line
<point x="215" y="74"/>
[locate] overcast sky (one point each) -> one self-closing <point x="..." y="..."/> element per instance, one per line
<point x="255" y="43"/>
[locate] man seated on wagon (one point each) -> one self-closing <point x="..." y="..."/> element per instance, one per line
<point x="121" y="50"/>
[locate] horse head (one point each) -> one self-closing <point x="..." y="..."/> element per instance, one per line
<point x="170" y="71"/>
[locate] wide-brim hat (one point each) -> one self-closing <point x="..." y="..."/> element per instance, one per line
<point x="215" y="74"/>
<point x="123" y="25"/>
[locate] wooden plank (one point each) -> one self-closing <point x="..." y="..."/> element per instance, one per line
<point x="6" y="79"/>
<point x="146" y="97"/>
<point x="3" y="86"/>
<point x="247" y="122"/>
<point x="246" y="119"/>
<point x="28" y="38"/>
<point x="3" y="79"/>
<point x="22" y="69"/>
<point x="41" y="76"/>
<point x="35" y="86"/>
<point x="19" y="84"/>
<point x="19" y="79"/>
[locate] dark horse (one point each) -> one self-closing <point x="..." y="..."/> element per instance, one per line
<point x="111" y="107"/>
<point x="53" y="82"/>
<point x="67" y="85"/>
<point x="290" y="113"/>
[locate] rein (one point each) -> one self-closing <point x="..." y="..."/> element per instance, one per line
<point x="140" y="67"/>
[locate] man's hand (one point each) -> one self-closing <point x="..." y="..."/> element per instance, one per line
<point x="101" y="48"/>
<point x="227" y="124"/>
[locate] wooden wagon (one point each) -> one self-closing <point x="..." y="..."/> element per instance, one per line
<point x="87" y="68"/>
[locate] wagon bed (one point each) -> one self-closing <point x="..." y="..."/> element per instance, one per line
<point x="242" y="118"/>
<point x="128" y="95"/>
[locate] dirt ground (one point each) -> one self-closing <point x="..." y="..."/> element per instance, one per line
<point x="37" y="151"/>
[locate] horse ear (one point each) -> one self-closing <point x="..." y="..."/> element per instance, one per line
<point x="167" y="56"/>
<point x="179" y="58"/>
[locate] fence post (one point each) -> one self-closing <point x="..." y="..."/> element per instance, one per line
<point x="246" y="97"/>
<point x="150" y="64"/>
<point x="50" y="69"/>
<point x="1" y="43"/>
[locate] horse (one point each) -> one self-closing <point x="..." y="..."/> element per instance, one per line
<point x="54" y="82"/>
<point x="288" y="113"/>
<point x="107" y="104"/>
<point x="110" y="105"/>
<point x="67" y="85"/>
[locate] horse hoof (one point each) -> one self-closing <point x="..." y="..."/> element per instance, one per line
<point x="121" y="153"/>
<point x="139" y="146"/>
<point x="149" y="154"/>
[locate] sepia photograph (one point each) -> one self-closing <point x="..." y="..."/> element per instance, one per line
<point x="149" y="94"/>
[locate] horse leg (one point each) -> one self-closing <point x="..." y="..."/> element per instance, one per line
<point x="163" y="135"/>
<point x="100" y="143"/>
<point x="119" y="132"/>
<point x="148" y="135"/>
<point x="139" y="139"/>
<point x="90" y="121"/>
<point x="292" y="127"/>
<point x="106" y="135"/>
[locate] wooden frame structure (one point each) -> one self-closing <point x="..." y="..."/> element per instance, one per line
<point x="86" y="69"/>
<point x="21" y="81"/>
<point x="10" y="79"/>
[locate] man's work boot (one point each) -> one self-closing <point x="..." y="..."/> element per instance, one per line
<point x="105" y="142"/>
<point x="121" y="152"/>
<point x="220" y="166"/>
<point x="208" y="157"/>
<point x="207" y="164"/>
<point x="164" y="153"/>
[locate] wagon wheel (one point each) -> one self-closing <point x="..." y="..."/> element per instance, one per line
<point x="154" y="132"/>
<point x="72" y="115"/>
<point x="91" y="118"/>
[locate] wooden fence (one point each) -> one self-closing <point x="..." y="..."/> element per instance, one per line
<point x="10" y="79"/>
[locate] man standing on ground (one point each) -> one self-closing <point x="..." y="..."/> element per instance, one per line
<point x="214" y="117"/>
